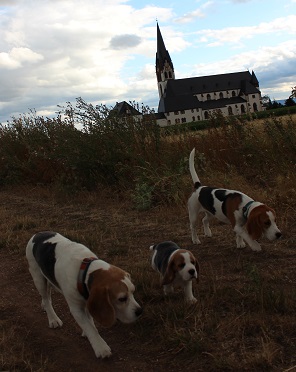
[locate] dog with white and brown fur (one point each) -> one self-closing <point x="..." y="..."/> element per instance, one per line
<point x="93" y="289"/>
<point x="178" y="267"/>
<point x="250" y="219"/>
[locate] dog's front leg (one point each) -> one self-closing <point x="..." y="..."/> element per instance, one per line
<point x="100" y="347"/>
<point x="254" y="245"/>
<point x="90" y="319"/>
<point x="188" y="292"/>
<point x="240" y="242"/>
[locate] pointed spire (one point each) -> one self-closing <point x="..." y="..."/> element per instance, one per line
<point x="162" y="56"/>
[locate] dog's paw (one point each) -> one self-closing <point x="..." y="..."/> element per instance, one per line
<point x="196" y="240"/>
<point x="192" y="300"/>
<point x="103" y="352"/>
<point x="55" y="323"/>
<point x="241" y="244"/>
<point x="256" y="247"/>
<point x="208" y="233"/>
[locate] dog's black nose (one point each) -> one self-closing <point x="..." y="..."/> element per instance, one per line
<point x="191" y="272"/>
<point x="139" y="311"/>
<point x="278" y="235"/>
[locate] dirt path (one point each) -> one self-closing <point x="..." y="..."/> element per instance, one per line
<point x="38" y="348"/>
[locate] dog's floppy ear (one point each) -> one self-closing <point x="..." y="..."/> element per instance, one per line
<point x="197" y="270"/>
<point x="100" y="307"/>
<point x="254" y="224"/>
<point x="169" y="274"/>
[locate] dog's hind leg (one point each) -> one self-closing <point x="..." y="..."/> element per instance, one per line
<point x="44" y="288"/>
<point x="206" y="225"/>
<point x="193" y="210"/>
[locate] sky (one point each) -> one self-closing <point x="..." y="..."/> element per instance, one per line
<point x="54" y="51"/>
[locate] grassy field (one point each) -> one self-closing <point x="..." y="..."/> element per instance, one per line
<point x="244" y="319"/>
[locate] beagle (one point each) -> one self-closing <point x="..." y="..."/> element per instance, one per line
<point x="177" y="266"/>
<point x="93" y="288"/>
<point x="250" y="219"/>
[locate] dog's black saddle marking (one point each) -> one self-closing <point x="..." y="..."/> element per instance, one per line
<point x="164" y="250"/>
<point x="44" y="253"/>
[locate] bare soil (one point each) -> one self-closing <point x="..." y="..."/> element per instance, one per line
<point x="109" y="221"/>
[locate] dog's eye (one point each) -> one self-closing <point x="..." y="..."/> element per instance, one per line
<point x="181" y="265"/>
<point x="122" y="299"/>
<point x="267" y="223"/>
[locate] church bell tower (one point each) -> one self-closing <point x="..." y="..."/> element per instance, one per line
<point x="164" y="66"/>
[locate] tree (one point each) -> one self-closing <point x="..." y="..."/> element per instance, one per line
<point x="275" y="104"/>
<point x="290" y="102"/>
<point x="266" y="101"/>
<point x="293" y="93"/>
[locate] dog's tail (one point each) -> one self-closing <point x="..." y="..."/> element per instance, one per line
<point x="152" y="247"/>
<point x="193" y="173"/>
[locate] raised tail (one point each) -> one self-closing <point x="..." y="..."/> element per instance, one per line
<point x="152" y="247"/>
<point x="193" y="173"/>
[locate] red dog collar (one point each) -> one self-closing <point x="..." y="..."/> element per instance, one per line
<point x="81" y="286"/>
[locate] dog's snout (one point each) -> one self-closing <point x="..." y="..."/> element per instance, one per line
<point x="191" y="272"/>
<point x="138" y="311"/>
<point x="278" y="235"/>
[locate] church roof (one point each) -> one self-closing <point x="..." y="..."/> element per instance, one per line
<point x="124" y="108"/>
<point x="212" y="83"/>
<point x="191" y="102"/>
<point x="180" y="93"/>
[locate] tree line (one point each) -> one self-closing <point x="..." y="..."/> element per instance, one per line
<point x="266" y="101"/>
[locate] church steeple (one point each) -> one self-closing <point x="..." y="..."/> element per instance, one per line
<point x="163" y="64"/>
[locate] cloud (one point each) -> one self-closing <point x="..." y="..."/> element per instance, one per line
<point x="235" y="35"/>
<point x="197" y="13"/>
<point x="124" y="41"/>
<point x="53" y="53"/>
<point x="189" y="17"/>
<point x="17" y="57"/>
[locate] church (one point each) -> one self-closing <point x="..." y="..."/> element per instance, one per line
<point x="193" y="99"/>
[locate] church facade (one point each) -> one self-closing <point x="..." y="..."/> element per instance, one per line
<point x="193" y="99"/>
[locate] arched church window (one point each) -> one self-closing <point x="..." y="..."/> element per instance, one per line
<point x="220" y="95"/>
<point x="233" y="93"/>
<point x="230" y="110"/>
<point x="208" y="97"/>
